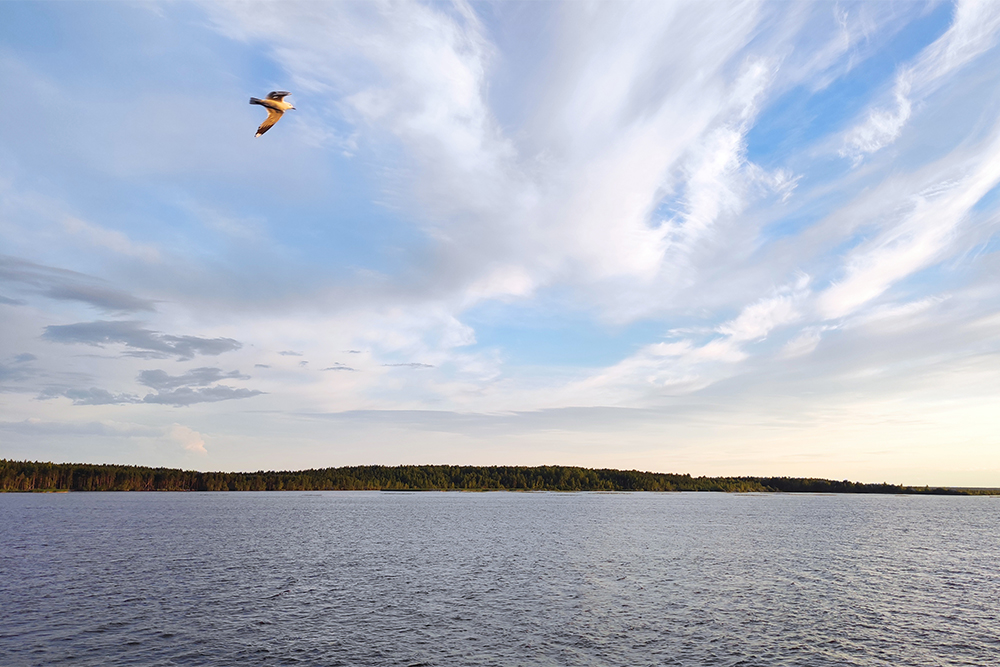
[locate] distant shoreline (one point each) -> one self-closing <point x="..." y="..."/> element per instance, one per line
<point x="38" y="477"/>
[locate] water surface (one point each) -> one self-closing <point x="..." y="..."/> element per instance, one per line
<point x="369" y="578"/>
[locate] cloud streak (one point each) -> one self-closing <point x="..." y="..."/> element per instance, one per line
<point x="139" y="342"/>
<point x="185" y="396"/>
<point x="174" y="390"/>
<point x="198" y="377"/>
<point x="921" y="235"/>
<point x="64" y="285"/>
<point x="973" y="32"/>
<point x="90" y="396"/>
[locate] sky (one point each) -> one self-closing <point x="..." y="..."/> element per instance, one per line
<point x="727" y="238"/>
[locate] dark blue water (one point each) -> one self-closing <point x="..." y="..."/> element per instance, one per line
<point x="358" y="578"/>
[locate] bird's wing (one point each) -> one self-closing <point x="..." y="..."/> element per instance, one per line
<point x="273" y="115"/>
<point x="277" y="95"/>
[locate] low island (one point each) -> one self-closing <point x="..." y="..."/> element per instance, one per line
<point x="38" y="476"/>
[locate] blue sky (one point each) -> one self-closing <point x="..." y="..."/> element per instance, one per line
<point x="725" y="238"/>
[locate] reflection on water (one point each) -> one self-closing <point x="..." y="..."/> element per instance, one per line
<point x="368" y="578"/>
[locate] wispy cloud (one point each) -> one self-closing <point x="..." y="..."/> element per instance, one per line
<point x="185" y="396"/>
<point x="198" y="377"/>
<point x="571" y="200"/>
<point x="918" y="233"/>
<point x="176" y="390"/>
<point x="64" y="285"/>
<point x="13" y="373"/>
<point x="139" y="342"/>
<point x="973" y="32"/>
<point x="688" y="365"/>
<point x="90" y="396"/>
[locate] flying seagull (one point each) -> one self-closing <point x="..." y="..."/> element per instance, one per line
<point x="276" y="105"/>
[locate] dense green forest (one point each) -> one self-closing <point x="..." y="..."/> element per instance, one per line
<point x="35" y="476"/>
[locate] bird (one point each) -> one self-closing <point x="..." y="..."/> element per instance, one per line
<point x="275" y="105"/>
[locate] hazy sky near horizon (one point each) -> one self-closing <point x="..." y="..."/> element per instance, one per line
<point x="717" y="238"/>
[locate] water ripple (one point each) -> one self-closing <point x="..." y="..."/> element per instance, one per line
<point x="434" y="579"/>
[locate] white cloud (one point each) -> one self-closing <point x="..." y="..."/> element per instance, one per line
<point x="188" y="439"/>
<point x="919" y="232"/>
<point x="974" y="30"/>
<point x="803" y="344"/>
<point x="670" y="369"/>
<point x="882" y="126"/>
<point x="572" y="197"/>
<point x="758" y="319"/>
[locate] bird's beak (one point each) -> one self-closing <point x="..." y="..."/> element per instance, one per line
<point x="294" y="109"/>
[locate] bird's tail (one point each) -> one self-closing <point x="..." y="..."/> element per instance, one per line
<point x="254" y="100"/>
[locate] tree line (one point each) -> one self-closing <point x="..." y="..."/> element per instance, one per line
<point x="38" y="476"/>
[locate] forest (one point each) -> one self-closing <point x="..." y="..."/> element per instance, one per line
<point x="29" y="476"/>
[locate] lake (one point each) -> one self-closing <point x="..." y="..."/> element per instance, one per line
<point x="370" y="578"/>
